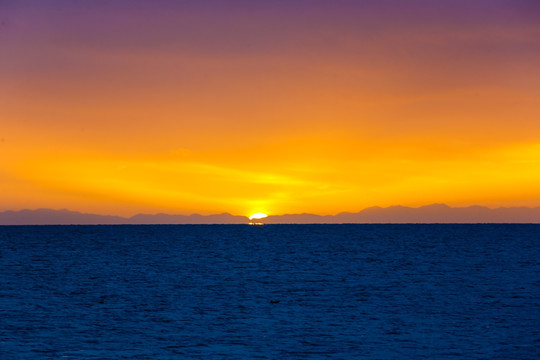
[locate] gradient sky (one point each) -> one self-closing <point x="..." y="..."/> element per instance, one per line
<point x="121" y="107"/>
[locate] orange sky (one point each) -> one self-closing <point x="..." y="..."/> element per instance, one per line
<point x="280" y="107"/>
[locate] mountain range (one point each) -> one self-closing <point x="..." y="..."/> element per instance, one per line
<point x="435" y="213"/>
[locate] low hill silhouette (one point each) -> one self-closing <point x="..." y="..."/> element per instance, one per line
<point x="435" y="213"/>
<point x="67" y="217"/>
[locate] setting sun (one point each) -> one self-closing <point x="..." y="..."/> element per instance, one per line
<point x="258" y="216"/>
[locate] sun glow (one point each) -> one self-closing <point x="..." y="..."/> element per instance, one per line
<point x="258" y="216"/>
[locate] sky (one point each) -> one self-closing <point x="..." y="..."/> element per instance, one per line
<point x="122" y="107"/>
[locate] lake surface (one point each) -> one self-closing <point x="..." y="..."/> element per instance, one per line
<point x="270" y="292"/>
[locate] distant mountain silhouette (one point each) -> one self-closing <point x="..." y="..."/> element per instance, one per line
<point x="435" y="213"/>
<point x="224" y="218"/>
<point x="55" y="217"/>
<point x="66" y="217"/>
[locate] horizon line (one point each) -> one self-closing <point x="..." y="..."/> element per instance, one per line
<point x="281" y="214"/>
<point x="397" y="214"/>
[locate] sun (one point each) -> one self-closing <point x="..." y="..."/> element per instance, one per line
<point x="258" y="216"/>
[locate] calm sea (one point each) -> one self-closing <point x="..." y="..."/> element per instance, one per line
<point x="270" y="292"/>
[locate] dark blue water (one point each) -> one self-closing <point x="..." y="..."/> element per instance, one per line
<point x="270" y="292"/>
